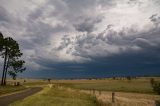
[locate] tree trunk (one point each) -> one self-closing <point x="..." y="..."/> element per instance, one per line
<point x="4" y="66"/>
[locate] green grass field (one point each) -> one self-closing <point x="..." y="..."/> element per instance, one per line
<point x="57" y="97"/>
<point x="141" y="85"/>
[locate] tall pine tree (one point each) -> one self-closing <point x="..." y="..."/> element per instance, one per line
<point x="11" y="54"/>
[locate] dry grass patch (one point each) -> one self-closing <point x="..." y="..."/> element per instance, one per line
<point x="124" y="99"/>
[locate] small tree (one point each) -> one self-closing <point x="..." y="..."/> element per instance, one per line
<point x="128" y="77"/>
<point x="152" y="81"/>
<point x="156" y="87"/>
<point x="49" y="79"/>
<point x="114" y="78"/>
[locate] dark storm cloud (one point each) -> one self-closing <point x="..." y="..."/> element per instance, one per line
<point x="68" y="37"/>
<point x="117" y="65"/>
<point x="131" y="63"/>
<point x="111" y="42"/>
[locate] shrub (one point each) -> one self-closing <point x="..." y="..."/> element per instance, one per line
<point x="49" y="79"/>
<point x="152" y="81"/>
<point x="156" y="87"/>
<point x="128" y="78"/>
<point x="114" y="78"/>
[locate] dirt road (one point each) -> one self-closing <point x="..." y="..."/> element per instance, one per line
<point x="6" y="100"/>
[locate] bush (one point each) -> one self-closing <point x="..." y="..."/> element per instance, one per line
<point x="49" y="79"/>
<point x="152" y="81"/>
<point x="114" y="78"/>
<point x="156" y="87"/>
<point x="128" y="78"/>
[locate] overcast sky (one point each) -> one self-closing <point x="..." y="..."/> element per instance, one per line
<point x="85" y="38"/>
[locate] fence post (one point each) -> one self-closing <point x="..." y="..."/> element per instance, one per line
<point x="113" y="97"/>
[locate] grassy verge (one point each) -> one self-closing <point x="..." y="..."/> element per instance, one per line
<point x="10" y="89"/>
<point x="57" y="97"/>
